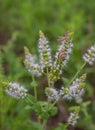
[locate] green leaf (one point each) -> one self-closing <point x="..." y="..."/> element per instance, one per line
<point x="27" y="107"/>
<point x="53" y="111"/>
<point x="34" y="84"/>
<point x="31" y="99"/>
<point x="85" y="104"/>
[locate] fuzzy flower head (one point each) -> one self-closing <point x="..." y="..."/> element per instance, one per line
<point x="77" y="87"/>
<point x="16" y="91"/>
<point x="52" y="94"/>
<point x="89" y="57"/>
<point x="65" y="48"/>
<point x="76" y="90"/>
<point x="45" y="57"/>
<point x="30" y="64"/>
<point x="73" y="118"/>
<point x="44" y="51"/>
<point x="62" y="56"/>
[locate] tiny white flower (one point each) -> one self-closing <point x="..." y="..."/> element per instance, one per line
<point x="64" y="92"/>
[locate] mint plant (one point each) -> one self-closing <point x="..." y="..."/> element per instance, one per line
<point x="53" y="69"/>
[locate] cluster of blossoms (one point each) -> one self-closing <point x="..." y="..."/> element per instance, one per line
<point x="89" y="57"/>
<point x="52" y="94"/>
<point x="76" y="90"/>
<point x="45" y="57"/>
<point x="30" y="63"/>
<point x="16" y="91"/>
<point x="44" y="51"/>
<point x="61" y="57"/>
<point x="73" y="117"/>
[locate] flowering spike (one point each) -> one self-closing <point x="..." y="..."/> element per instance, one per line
<point x="15" y="90"/>
<point x="76" y="90"/>
<point x="65" y="48"/>
<point x="44" y="51"/>
<point x="62" y="56"/>
<point x="52" y="94"/>
<point x="89" y="57"/>
<point x="30" y="63"/>
<point x="73" y="117"/>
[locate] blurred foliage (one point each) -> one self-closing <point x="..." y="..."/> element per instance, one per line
<point x="20" y="22"/>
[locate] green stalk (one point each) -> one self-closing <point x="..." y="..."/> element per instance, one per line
<point x="44" y="125"/>
<point x="77" y="73"/>
<point x="2" y="108"/>
<point x="48" y="78"/>
<point x="35" y="89"/>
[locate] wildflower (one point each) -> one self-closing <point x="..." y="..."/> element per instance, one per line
<point x="30" y="63"/>
<point x="45" y="57"/>
<point x="73" y="118"/>
<point x="61" y="57"/>
<point x="44" y="51"/>
<point x="76" y="90"/>
<point x="16" y="91"/>
<point x="65" y="48"/>
<point x="89" y="57"/>
<point x="52" y="94"/>
<point x="77" y="87"/>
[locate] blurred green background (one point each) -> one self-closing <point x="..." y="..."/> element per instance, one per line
<point x="20" y="22"/>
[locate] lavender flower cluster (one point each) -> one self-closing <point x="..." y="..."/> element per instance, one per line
<point x="76" y="90"/>
<point x="16" y="91"/>
<point x="73" y="118"/>
<point x="89" y="57"/>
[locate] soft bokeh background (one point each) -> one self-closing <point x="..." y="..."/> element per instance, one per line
<point x="20" y="22"/>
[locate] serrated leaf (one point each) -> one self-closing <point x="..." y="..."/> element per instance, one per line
<point x="53" y="111"/>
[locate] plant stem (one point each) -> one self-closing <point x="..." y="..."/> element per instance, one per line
<point x="44" y="125"/>
<point x="2" y="108"/>
<point x="48" y="78"/>
<point x="77" y="73"/>
<point x="53" y="105"/>
<point x="35" y="89"/>
<point x="2" y="99"/>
